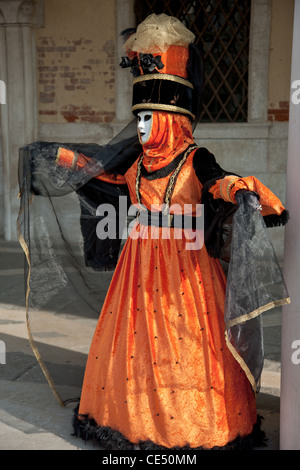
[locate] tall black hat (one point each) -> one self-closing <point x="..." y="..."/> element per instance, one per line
<point x="166" y="65"/>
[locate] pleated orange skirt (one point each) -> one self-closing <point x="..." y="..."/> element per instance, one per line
<point x="159" y="368"/>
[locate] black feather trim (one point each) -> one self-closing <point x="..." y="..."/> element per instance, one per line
<point x="275" y="220"/>
<point x="109" y="439"/>
<point x="126" y="33"/>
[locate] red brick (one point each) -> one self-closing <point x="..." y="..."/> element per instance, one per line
<point x="279" y="115"/>
<point x="48" y="112"/>
<point x="284" y="104"/>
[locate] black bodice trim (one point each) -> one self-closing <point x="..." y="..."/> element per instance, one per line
<point x="204" y="163"/>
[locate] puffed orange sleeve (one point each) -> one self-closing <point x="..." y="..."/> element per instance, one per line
<point x="73" y="160"/>
<point x="227" y="187"/>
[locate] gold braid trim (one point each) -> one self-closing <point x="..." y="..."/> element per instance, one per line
<point x="174" y="176"/>
<point x="258" y="311"/>
<point x="74" y="161"/>
<point x="241" y="362"/>
<point x="162" y="107"/>
<point x="229" y="182"/>
<point x="138" y="179"/>
<point x="242" y="319"/>
<point x="31" y="340"/>
<point x="58" y="155"/>
<point x="163" y="76"/>
<point x="171" y="180"/>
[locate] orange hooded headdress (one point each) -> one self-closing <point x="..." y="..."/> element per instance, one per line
<point x="170" y="135"/>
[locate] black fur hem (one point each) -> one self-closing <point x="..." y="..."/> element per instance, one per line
<point x="275" y="220"/>
<point x="87" y="429"/>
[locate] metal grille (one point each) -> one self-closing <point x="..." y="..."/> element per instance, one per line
<point x="222" y="30"/>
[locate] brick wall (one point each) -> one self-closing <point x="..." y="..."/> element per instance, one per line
<point x="280" y="114"/>
<point x="76" y="62"/>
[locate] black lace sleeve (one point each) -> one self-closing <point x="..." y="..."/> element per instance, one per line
<point x="217" y="212"/>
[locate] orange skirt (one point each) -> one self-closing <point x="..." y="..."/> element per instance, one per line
<point x="159" y="369"/>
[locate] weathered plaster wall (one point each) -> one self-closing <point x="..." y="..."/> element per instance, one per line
<point x="76" y="62"/>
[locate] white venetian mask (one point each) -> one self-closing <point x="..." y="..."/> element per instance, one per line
<point x="144" y="125"/>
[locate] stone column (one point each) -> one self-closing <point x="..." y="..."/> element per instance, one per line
<point x="125" y="18"/>
<point x="19" y="115"/>
<point x="258" y="60"/>
<point x="290" y="344"/>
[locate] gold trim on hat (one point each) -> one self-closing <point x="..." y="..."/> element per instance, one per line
<point x="162" y="107"/>
<point x="163" y="76"/>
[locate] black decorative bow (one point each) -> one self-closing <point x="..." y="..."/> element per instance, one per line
<point x="147" y="62"/>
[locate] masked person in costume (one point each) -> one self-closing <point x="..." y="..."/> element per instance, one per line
<point x="166" y="367"/>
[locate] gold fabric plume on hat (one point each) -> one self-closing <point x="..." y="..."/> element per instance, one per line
<point x="157" y="33"/>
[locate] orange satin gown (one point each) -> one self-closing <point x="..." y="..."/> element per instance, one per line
<point x="158" y="368"/>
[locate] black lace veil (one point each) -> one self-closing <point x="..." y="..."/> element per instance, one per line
<point x="254" y="285"/>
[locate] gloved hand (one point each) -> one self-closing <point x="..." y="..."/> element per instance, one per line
<point x="250" y="197"/>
